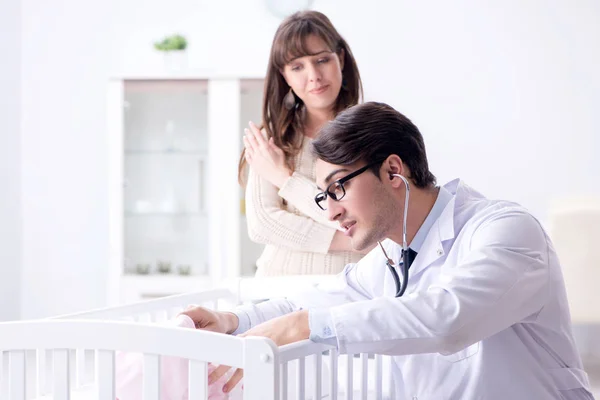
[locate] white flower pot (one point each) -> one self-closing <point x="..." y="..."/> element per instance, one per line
<point x="175" y="60"/>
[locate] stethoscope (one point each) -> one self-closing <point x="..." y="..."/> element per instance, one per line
<point x="404" y="262"/>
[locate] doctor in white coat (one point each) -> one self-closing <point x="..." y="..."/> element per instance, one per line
<point x="484" y="314"/>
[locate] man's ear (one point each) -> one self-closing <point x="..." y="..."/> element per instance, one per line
<point x="393" y="165"/>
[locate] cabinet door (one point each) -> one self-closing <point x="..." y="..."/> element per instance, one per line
<point x="158" y="156"/>
<point x="165" y="154"/>
<point x="175" y="215"/>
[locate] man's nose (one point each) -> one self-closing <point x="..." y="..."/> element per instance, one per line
<point x="334" y="209"/>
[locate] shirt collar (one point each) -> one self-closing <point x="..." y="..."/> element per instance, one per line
<point x="443" y="198"/>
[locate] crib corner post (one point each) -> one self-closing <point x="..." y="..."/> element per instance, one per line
<point x="261" y="369"/>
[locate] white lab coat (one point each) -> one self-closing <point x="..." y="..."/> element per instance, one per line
<point x="484" y="316"/>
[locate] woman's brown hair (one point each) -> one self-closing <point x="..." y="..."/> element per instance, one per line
<point x="279" y="123"/>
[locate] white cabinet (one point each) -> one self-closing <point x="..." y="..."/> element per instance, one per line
<point x="176" y="221"/>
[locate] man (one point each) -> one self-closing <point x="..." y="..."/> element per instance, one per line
<point x="485" y="313"/>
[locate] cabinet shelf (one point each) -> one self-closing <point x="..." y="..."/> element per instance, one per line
<point x="159" y="285"/>
<point x="165" y="152"/>
<point x="165" y="214"/>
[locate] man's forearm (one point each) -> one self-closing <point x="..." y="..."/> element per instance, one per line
<point x="250" y="315"/>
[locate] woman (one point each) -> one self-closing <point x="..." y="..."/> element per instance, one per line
<point x="311" y="76"/>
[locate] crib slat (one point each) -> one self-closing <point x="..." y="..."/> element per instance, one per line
<point x="31" y="382"/>
<point x="198" y="380"/>
<point x="318" y="378"/>
<point x="350" y="377"/>
<point x="151" y="383"/>
<point x="333" y="378"/>
<point x="62" y="377"/>
<point x="16" y="372"/>
<point x="392" y="390"/>
<point x="284" y="381"/>
<point x="160" y="316"/>
<point x="144" y="318"/>
<point x="300" y="378"/>
<point x="175" y="311"/>
<point x="105" y="374"/>
<point x="80" y="367"/>
<point x="378" y="377"/>
<point x="364" y="374"/>
<point x="3" y="375"/>
<point x="44" y="371"/>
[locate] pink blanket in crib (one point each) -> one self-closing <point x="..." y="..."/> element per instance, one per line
<point x="173" y="375"/>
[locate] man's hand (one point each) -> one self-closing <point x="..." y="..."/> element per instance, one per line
<point x="282" y="330"/>
<point x="209" y="320"/>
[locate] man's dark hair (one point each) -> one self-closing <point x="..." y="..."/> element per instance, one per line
<point x="371" y="132"/>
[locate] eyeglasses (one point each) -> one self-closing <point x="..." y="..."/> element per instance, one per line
<point x="336" y="190"/>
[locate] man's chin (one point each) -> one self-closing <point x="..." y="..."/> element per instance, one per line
<point x="360" y="245"/>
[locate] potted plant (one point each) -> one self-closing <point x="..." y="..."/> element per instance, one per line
<point x="184" y="269"/>
<point x="164" y="267"/>
<point x="173" y="48"/>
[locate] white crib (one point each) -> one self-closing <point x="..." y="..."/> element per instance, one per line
<point x="73" y="356"/>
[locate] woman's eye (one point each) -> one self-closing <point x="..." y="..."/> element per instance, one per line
<point x="322" y="60"/>
<point x="296" y="67"/>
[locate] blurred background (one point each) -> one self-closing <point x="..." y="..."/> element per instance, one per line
<point x="118" y="163"/>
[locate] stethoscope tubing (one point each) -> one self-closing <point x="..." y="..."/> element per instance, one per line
<point x="405" y="262"/>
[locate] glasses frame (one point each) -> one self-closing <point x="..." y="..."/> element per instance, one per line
<point x="322" y="196"/>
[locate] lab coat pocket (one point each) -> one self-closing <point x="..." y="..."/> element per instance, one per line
<point x="462" y="354"/>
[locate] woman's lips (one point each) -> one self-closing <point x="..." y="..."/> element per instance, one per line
<point x="319" y="90"/>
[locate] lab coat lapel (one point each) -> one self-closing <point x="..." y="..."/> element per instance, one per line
<point x="432" y="249"/>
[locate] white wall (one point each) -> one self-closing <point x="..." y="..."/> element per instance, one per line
<point x="506" y="95"/>
<point x="65" y="245"/>
<point x="10" y="159"/>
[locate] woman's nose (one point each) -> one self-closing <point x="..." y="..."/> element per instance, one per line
<point x="314" y="74"/>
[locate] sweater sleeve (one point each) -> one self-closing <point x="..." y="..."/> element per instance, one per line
<point x="300" y="191"/>
<point x="270" y="223"/>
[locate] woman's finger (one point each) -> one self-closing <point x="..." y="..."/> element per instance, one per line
<point x="251" y="138"/>
<point x="257" y="134"/>
<point x="218" y="373"/>
<point x="234" y="380"/>
<point x="247" y="143"/>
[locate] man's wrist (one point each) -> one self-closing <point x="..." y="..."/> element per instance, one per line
<point x="303" y="326"/>
<point x="231" y="322"/>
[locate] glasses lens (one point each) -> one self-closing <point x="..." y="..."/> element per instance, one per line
<point x="320" y="200"/>
<point x="336" y="191"/>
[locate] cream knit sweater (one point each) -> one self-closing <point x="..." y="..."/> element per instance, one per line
<point x="296" y="232"/>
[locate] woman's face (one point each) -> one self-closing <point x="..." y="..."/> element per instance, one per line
<point x="317" y="77"/>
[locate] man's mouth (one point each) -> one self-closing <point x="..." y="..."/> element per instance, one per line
<point x="347" y="225"/>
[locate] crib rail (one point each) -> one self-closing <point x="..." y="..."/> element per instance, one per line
<point x="150" y="309"/>
<point x="258" y="356"/>
<point x="303" y="370"/>
<point x="78" y="349"/>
